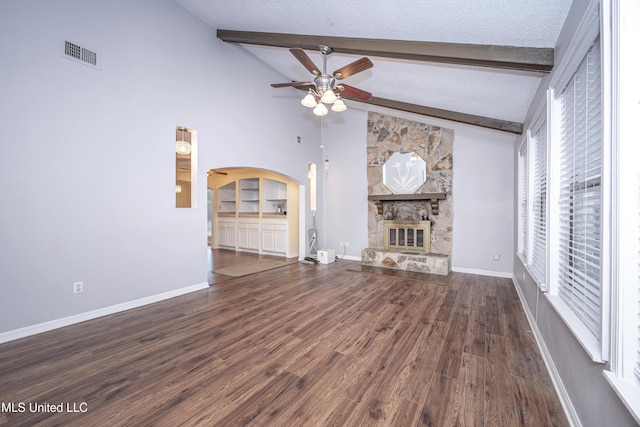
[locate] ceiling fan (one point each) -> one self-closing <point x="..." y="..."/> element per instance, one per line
<point x="323" y="89"/>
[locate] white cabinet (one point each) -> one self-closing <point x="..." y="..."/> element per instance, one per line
<point x="249" y="235"/>
<point x="274" y="236"/>
<point x="268" y="239"/>
<point x="252" y="216"/>
<point x="227" y="231"/>
<point x="281" y="240"/>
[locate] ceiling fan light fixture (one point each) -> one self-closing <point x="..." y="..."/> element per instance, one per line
<point x="320" y="110"/>
<point x="309" y="100"/>
<point x="339" y="105"/>
<point x="324" y="90"/>
<point x="328" y="97"/>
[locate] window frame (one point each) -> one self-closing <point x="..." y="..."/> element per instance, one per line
<point x="523" y="201"/>
<point x="596" y="345"/>
<point x="624" y="370"/>
<point x="539" y="273"/>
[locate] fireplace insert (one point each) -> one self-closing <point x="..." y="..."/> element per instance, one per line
<point x="411" y="236"/>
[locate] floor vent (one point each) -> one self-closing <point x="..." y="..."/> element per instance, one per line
<point x="80" y="54"/>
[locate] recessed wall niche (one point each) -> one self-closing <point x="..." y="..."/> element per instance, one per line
<point x="185" y="149"/>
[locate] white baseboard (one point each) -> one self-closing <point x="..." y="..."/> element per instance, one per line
<point x="482" y="272"/>
<point x="350" y="258"/>
<point x="94" y="314"/>
<point x="563" y="395"/>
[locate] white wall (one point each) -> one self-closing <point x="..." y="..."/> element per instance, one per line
<point x="482" y="201"/>
<point x="88" y="162"/>
<point x="345" y="145"/>
<point x="482" y="190"/>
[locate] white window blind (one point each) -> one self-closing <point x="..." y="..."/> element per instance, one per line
<point x="637" y="368"/>
<point x="580" y="192"/>
<point x="523" y="175"/>
<point x="637" y="364"/>
<point x="538" y="255"/>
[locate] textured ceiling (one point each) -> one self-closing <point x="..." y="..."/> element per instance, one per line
<point x="488" y="92"/>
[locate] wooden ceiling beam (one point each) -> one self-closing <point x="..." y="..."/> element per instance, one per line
<point x="454" y="116"/>
<point x="506" y="57"/>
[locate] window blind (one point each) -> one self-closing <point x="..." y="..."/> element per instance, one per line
<point x="637" y="366"/>
<point x="524" y="200"/>
<point x="538" y="256"/>
<point x="580" y="191"/>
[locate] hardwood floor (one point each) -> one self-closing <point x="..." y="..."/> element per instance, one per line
<point x="299" y="345"/>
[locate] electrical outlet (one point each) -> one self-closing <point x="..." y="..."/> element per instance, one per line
<point x="496" y="257"/>
<point x="346" y="244"/>
<point x="78" y="287"/>
<point x="342" y="244"/>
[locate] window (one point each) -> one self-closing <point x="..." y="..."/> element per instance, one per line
<point x="185" y="146"/>
<point x="523" y="185"/>
<point x="538" y="255"/>
<point x="584" y="193"/>
<point x="579" y="276"/>
<point x="624" y="375"/>
<point x="637" y="367"/>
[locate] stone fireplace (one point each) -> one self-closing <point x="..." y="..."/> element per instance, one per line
<point x="414" y="208"/>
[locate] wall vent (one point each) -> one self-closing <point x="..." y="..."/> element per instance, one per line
<point x="80" y="54"/>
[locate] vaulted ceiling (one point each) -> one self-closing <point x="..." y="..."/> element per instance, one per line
<point x="462" y="60"/>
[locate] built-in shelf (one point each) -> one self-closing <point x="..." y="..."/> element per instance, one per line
<point x="227" y="198"/>
<point x="274" y="197"/>
<point x="252" y="214"/>
<point x="432" y="197"/>
<point x="254" y="196"/>
<point x="249" y="195"/>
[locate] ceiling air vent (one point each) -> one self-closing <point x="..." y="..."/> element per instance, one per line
<point x="80" y="54"/>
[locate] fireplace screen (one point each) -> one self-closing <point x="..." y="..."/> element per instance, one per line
<point x="411" y="236"/>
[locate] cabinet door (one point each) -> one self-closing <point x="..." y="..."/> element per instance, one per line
<point x="254" y="237"/>
<point x="231" y="232"/>
<point x="268" y="238"/>
<point x="222" y="234"/>
<point x="280" y="241"/>
<point x="243" y="237"/>
<point x="249" y="235"/>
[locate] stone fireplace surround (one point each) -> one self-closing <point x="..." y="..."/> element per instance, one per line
<point x="432" y="201"/>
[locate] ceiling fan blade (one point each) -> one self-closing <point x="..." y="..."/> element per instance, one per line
<point x="305" y="60"/>
<point x="294" y="84"/>
<point x="353" y="68"/>
<point x="354" y="92"/>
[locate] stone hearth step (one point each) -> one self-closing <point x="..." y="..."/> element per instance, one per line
<point x="409" y="261"/>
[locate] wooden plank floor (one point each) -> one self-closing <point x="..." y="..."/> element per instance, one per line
<point x="299" y="345"/>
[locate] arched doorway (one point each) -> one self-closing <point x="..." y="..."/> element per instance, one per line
<point x="254" y="211"/>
